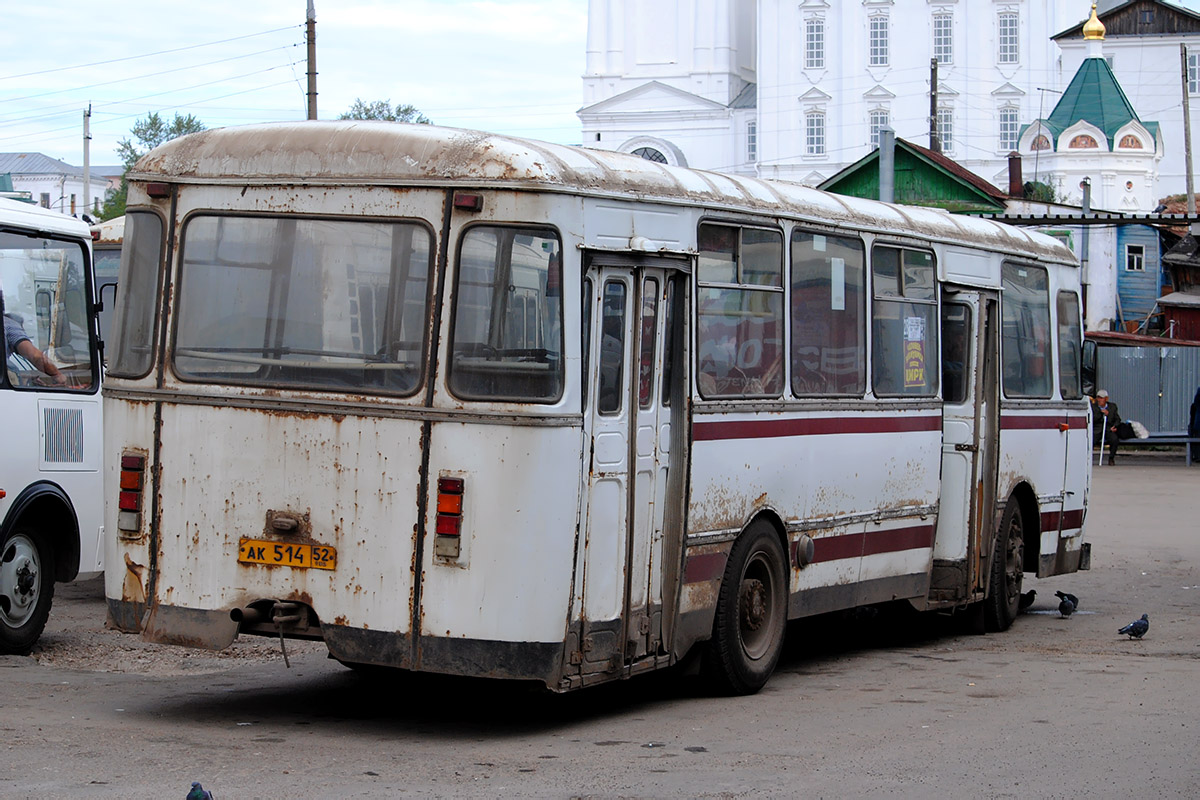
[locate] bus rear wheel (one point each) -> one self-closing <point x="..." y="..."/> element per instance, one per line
<point x="26" y="589"/>
<point x="1008" y="565"/>
<point x="751" y="613"/>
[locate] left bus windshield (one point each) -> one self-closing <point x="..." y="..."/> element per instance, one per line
<point x="311" y="303"/>
<point x="48" y="343"/>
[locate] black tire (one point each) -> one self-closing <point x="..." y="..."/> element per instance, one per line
<point x="751" y="614"/>
<point x="26" y="589"/>
<point x="1008" y="567"/>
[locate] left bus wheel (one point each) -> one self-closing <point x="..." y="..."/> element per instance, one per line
<point x="26" y="590"/>
<point x="751" y="613"/>
<point x="1008" y="565"/>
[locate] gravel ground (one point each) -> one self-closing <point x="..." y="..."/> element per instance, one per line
<point x="76" y="637"/>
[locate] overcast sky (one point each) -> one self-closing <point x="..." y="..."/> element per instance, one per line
<point x="509" y="66"/>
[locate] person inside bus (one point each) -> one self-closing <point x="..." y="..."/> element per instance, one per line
<point x="17" y="341"/>
<point x="1105" y="420"/>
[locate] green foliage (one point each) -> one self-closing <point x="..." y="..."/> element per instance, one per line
<point x="382" y="110"/>
<point x="148" y="134"/>
<point x="1040" y="192"/>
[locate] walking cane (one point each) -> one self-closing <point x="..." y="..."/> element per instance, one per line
<point x="1103" y="435"/>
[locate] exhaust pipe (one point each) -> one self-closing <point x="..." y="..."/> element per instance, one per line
<point x="249" y="615"/>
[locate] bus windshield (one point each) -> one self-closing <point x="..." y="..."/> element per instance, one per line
<point x="303" y="302"/>
<point x="45" y="301"/>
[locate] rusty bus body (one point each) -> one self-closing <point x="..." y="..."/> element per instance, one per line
<point x="470" y="404"/>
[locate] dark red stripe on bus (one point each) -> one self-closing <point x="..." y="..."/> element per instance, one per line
<point x="822" y="426"/>
<point x="704" y="567"/>
<point x="854" y="545"/>
<point x="1013" y="422"/>
<point x="897" y="539"/>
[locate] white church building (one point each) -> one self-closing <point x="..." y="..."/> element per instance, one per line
<point x="798" y="90"/>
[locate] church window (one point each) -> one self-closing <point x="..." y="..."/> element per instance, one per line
<point x="1008" y="36"/>
<point x="1130" y="142"/>
<point x="650" y="154"/>
<point x="1083" y="142"/>
<point x="752" y="141"/>
<point x="943" y="38"/>
<point x="878" y="44"/>
<point x="945" y="121"/>
<point x="877" y="121"/>
<point x="814" y="43"/>
<point x="814" y="133"/>
<point x="1193" y="73"/>
<point x="1008" y="128"/>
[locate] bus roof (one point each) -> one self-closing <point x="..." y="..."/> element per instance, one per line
<point x="41" y="219"/>
<point x="399" y="154"/>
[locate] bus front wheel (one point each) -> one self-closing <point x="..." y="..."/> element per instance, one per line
<point x="1008" y="564"/>
<point x="751" y="613"/>
<point x="26" y="589"/>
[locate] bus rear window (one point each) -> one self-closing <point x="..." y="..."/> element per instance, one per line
<point x="507" y="336"/>
<point x="310" y="303"/>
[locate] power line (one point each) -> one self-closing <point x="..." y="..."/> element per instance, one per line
<point x="140" y="77"/>
<point x="146" y="55"/>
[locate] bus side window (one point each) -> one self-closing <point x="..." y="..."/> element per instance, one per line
<point x="739" y="312"/>
<point x="904" y="336"/>
<point x="956" y="351"/>
<point x="828" y="320"/>
<point x="612" y="348"/>
<point x="1070" y="336"/>
<point x="1025" y="342"/>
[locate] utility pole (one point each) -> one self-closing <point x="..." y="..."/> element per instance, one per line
<point x="311" y="36"/>
<point x="87" y="169"/>
<point x="1187" y="138"/>
<point x="935" y="143"/>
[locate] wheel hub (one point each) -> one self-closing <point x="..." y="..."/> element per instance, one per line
<point x="754" y="604"/>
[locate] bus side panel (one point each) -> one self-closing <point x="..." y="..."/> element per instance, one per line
<point x="1035" y="453"/>
<point x="349" y="482"/>
<point x="511" y="579"/>
<point x="864" y="486"/>
<point x="127" y="553"/>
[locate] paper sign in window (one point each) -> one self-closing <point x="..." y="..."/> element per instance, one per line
<point x="837" y="284"/>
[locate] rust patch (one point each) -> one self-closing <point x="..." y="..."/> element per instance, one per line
<point x="133" y="587"/>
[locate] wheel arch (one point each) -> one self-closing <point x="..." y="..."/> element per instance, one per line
<point x="1031" y="523"/>
<point x="48" y="509"/>
<point x="771" y="517"/>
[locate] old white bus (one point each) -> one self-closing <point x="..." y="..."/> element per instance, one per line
<point x="469" y="404"/>
<point x="51" y="485"/>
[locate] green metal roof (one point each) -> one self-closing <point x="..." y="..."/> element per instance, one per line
<point x="1095" y="96"/>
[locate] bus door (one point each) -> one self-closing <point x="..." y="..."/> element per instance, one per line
<point x="970" y="391"/>
<point x="634" y="403"/>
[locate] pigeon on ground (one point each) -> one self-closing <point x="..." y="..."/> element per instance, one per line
<point x="1026" y="599"/>
<point x="1068" y="596"/>
<point x="1066" y="607"/>
<point x="1137" y="629"/>
<point x="198" y="792"/>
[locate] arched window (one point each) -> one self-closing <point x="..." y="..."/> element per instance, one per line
<point x="814" y="133"/>
<point x="1130" y="142"/>
<point x="650" y="154"/>
<point x="1040" y="143"/>
<point x="1083" y="142"/>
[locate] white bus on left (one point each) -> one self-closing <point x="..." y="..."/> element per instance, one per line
<point x="51" y="506"/>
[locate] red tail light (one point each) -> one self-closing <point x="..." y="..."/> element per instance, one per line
<point x="447" y="541"/>
<point x="129" y="501"/>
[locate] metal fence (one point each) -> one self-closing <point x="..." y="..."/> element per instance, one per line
<point x="1153" y="385"/>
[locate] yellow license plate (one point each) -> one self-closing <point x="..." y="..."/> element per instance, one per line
<point x="287" y="554"/>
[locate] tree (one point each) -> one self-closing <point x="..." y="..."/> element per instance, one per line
<point x="148" y="134"/>
<point x="382" y="109"/>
